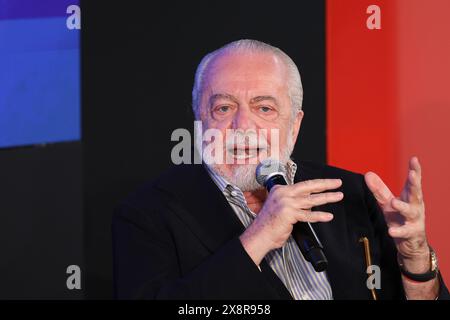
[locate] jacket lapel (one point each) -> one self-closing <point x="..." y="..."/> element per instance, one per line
<point x="202" y="207"/>
<point x="206" y="211"/>
<point x="345" y="269"/>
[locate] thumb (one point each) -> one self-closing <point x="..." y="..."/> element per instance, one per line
<point x="379" y="189"/>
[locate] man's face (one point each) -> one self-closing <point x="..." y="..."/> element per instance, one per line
<point x="248" y="92"/>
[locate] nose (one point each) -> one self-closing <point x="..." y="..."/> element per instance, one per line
<point x="243" y="120"/>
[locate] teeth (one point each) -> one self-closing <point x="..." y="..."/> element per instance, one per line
<point x="243" y="156"/>
<point x="244" y="153"/>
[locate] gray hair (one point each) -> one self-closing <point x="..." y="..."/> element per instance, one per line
<point x="295" y="87"/>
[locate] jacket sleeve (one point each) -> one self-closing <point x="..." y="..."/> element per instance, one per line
<point x="388" y="251"/>
<point x="146" y="264"/>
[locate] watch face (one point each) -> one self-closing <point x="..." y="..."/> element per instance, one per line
<point x="434" y="262"/>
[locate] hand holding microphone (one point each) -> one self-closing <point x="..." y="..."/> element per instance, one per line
<point x="285" y="206"/>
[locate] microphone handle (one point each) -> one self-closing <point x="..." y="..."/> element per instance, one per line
<point x="310" y="245"/>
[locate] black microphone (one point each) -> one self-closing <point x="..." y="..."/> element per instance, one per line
<point x="270" y="173"/>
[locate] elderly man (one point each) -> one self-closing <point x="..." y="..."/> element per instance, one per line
<point x="211" y="231"/>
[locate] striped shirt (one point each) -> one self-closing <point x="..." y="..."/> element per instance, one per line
<point x="288" y="263"/>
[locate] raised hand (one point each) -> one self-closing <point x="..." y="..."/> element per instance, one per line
<point x="405" y="218"/>
<point x="405" y="215"/>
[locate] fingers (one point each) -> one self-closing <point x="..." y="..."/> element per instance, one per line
<point x="313" y="200"/>
<point x="400" y="205"/>
<point x="408" y="210"/>
<point x="379" y="189"/>
<point x="401" y="232"/>
<point x="413" y="184"/>
<point x="414" y="165"/>
<point x="314" y="216"/>
<point x="407" y="232"/>
<point x="315" y="186"/>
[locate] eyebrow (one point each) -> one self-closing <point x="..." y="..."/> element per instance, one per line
<point x="226" y="96"/>
<point x="262" y="98"/>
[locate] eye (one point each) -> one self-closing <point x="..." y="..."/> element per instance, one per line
<point x="265" y="109"/>
<point x="223" y="109"/>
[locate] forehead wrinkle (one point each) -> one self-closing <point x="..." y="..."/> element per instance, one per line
<point x="225" y="96"/>
<point x="262" y="98"/>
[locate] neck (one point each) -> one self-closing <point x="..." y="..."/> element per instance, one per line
<point x="255" y="199"/>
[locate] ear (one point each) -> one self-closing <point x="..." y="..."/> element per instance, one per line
<point x="297" y="124"/>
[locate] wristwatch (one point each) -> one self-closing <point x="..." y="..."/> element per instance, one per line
<point x="423" y="277"/>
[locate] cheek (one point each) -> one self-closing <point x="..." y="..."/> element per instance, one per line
<point x="282" y="141"/>
<point x="275" y="134"/>
<point x="213" y="134"/>
<point x="211" y="122"/>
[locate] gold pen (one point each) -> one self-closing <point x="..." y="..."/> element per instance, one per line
<point x="368" y="259"/>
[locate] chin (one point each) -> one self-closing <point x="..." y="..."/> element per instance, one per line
<point x="244" y="177"/>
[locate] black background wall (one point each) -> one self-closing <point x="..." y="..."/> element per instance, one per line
<point x="41" y="230"/>
<point x="139" y="59"/>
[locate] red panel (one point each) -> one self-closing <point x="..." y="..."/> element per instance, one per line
<point x="423" y="66"/>
<point x="361" y="113"/>
<point x="388" y="98"/>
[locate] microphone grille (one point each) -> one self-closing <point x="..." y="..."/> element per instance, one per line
<point x="268" y="167"/>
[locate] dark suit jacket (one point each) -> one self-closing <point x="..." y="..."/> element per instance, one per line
<point x="178" y="238"/>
